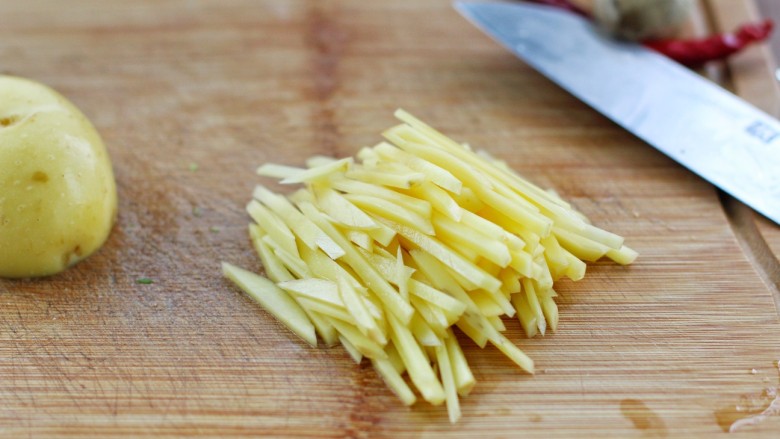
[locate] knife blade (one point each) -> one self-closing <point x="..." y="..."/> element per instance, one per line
<point x="705" y="128"/>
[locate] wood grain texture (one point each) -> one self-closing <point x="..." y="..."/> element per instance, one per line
<point x="771" y="9"/>
<point x="751" y="74"/>
<point x="661" y="348"/>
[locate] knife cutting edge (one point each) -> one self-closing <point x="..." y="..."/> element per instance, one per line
<point x="707" y="129"/>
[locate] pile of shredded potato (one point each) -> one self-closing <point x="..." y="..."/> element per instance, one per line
<point x="385" y="253"/>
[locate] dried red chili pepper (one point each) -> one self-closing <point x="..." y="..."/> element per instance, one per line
<point x="695" y="52"/>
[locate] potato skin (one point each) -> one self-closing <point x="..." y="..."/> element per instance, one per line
<point x="57" y="192"/>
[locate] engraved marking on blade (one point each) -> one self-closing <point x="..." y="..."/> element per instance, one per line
<point x="762" y="131"/>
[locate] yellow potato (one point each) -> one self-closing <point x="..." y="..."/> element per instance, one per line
<point x="57" y="190"/>
<point x="429" y="235"/>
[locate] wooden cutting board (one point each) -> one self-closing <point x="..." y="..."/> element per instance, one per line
<point x="674" y="345"/>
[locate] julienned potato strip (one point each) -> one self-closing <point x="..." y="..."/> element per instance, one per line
<point x="386" y="252"/>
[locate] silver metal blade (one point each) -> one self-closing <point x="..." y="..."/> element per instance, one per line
<point x="697" y="123"/>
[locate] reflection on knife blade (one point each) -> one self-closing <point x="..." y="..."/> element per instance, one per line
<point x="697" y="123"/>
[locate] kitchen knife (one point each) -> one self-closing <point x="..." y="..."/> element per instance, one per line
<point x="689" y="118"/>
